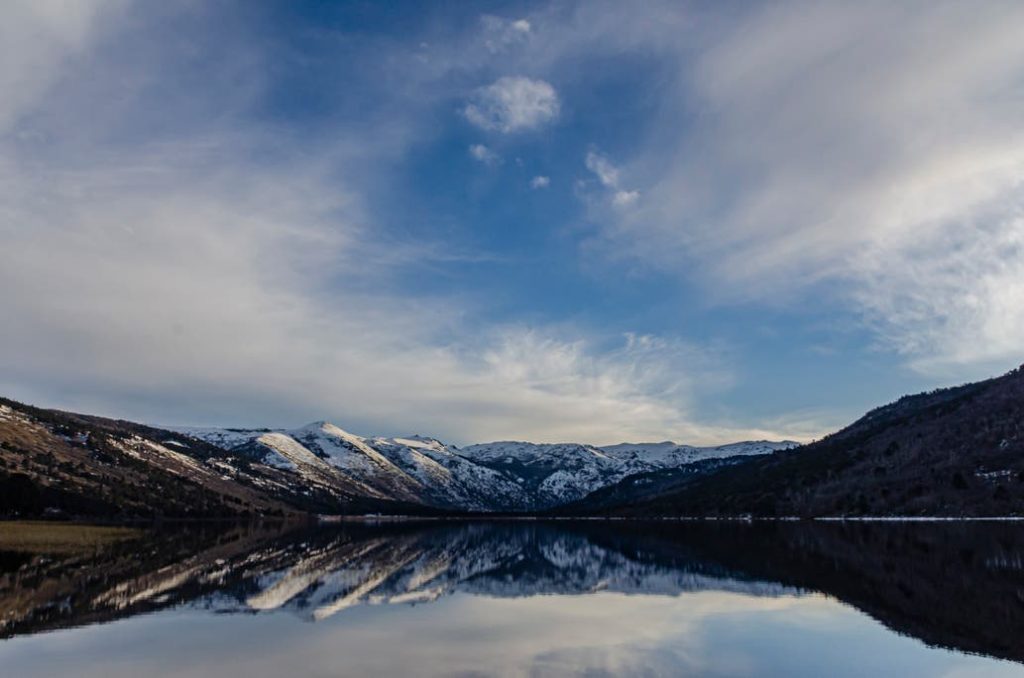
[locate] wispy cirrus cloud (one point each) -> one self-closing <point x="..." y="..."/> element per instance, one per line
<point x="876" y="160"/>
<point x="35" y="38"/>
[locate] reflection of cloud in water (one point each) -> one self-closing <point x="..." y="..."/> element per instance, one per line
<point x="705" y="633"/>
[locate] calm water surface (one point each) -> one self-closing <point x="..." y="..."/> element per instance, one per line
<point x="522" y="599"/>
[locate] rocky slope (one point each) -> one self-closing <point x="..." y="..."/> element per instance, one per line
<point x="556" y="474"/>
<point x="55" y="462"/>
<point x="413" y="469"/>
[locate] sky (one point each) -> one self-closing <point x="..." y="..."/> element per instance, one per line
<point x="553" y="221"/>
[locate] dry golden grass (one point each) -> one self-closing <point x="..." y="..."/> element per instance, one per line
<point x="43" y="537"/>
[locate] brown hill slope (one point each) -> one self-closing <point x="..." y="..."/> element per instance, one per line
<point x="79" y="465"/>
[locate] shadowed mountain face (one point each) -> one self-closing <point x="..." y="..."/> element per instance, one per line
<point x="959" y="586"/>
<point x="951" y="452"/>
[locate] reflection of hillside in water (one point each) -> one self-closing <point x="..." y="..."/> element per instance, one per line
<point x="957" y="585"/>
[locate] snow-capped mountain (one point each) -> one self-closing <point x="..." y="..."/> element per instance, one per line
<point x="412" y="469"/>
<point x="557" y="473"/>
<point x="501" y="476"/>
<point x="669" y="454"/>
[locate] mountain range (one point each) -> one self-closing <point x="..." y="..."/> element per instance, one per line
<point x="950" y="452"/>
<point x="84" y="465"/>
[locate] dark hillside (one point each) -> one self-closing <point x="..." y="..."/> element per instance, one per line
<point x="950" y="452"/>
<point x="64" y="464"/>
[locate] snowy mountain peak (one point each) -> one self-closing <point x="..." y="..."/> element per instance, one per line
<point x="644" y="448"/>
<point x="327" y="428"/>
<point x="416" y="442"/>
<point x="668" y="453"/>
<point x="504" y="475"/>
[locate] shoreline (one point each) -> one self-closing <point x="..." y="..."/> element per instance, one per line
<point x="330" y="519"/>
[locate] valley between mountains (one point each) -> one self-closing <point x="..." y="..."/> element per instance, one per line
<point x="950" y="452"/>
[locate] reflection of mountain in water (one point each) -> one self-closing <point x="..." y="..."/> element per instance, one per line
<point x="495" y="559"/>
<point x="957" y="585"/>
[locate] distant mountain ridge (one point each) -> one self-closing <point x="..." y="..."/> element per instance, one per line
<point x="65" y="463"/>
<point x="500" y="476"/>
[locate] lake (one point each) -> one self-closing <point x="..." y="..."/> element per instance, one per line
<point x="514" y="598"/>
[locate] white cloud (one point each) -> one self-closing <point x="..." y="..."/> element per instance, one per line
<point x="642" y="385"/>
<point x="605" y="171"/>
<point x="513" y="104"/>
<point x="184" y="296"/>
<point x="501" y="34"/>
<point x="35" y="37"/>
<point x="608" y="175"/>
<point x="484" y="154"/>
<point x="956" y="298"/>
<point x="540" y="181"/>
<point x="625" y="198"/>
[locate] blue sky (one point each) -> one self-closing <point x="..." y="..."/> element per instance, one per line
<point x="588" y="221"/>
